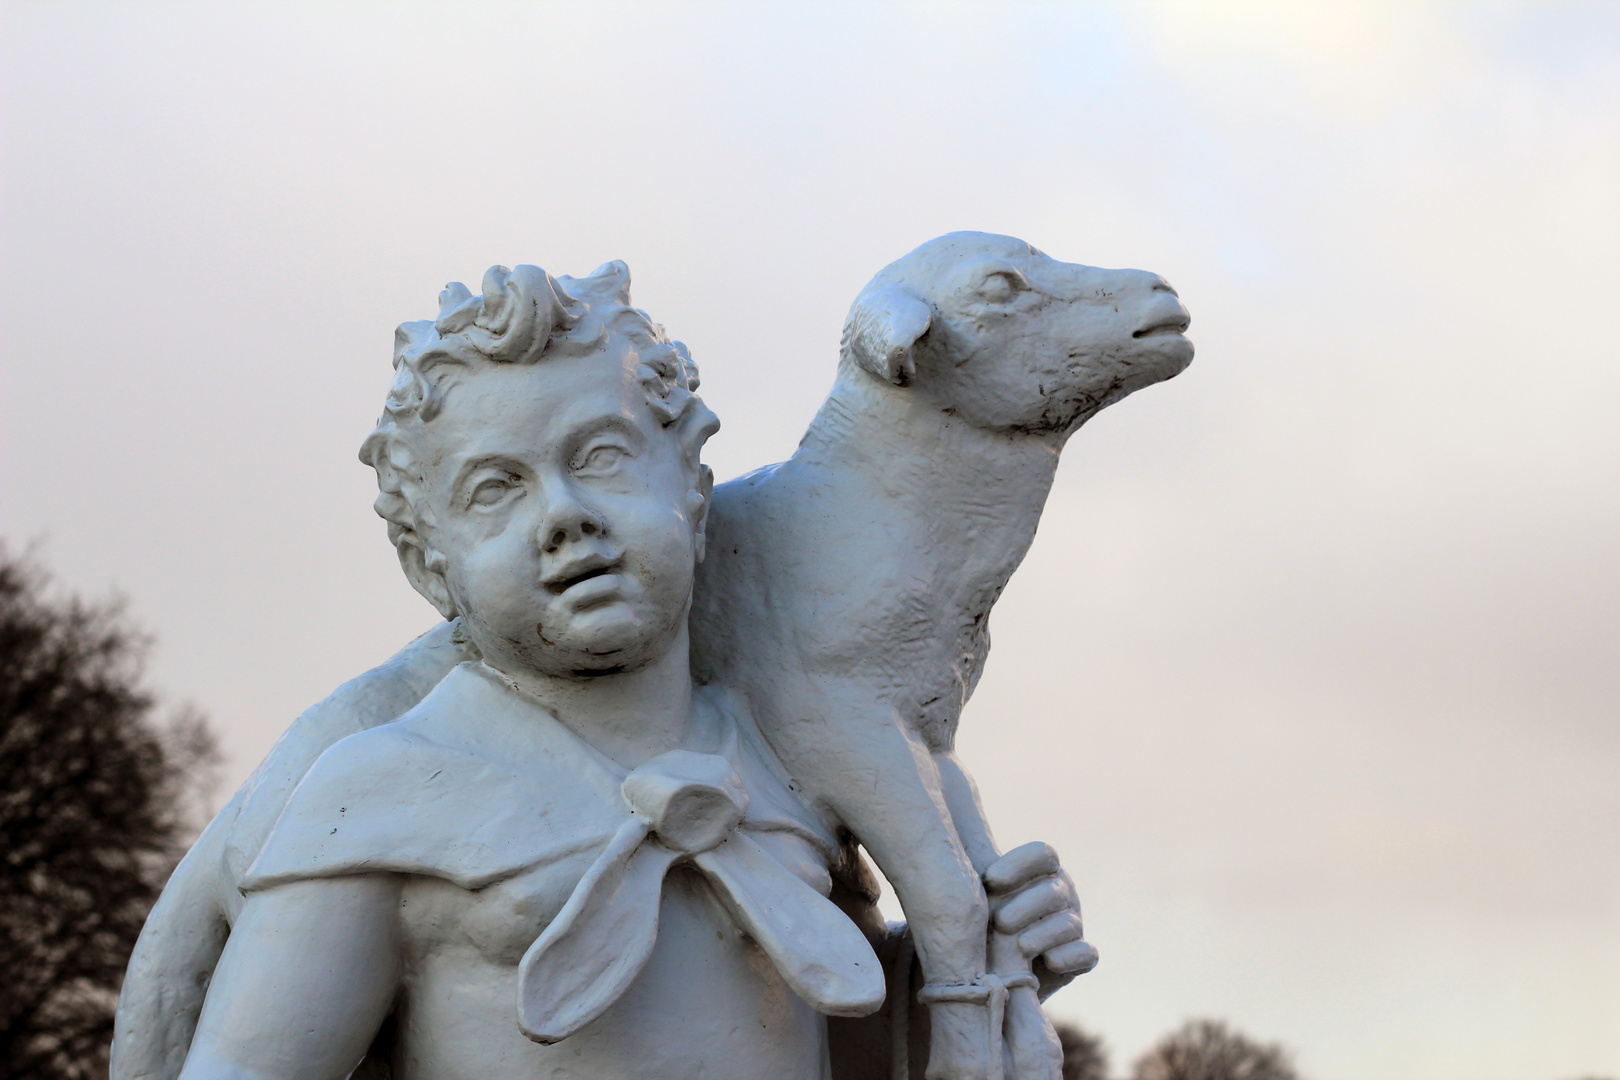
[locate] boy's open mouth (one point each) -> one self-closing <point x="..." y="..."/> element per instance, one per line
<point x="568" y="575"/>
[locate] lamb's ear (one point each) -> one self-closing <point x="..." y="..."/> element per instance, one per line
<point x="884" y="324"/>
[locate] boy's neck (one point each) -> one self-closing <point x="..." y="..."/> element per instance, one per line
<point x="630" y="716"/>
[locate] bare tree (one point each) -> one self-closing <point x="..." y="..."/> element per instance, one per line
<point x="1084" y="1057"/>
<point x="96" y="804"/>
<point x="1208" y="1050"/>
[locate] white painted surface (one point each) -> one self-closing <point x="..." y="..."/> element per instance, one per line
<point x="538" y="467"/>
<point x="1341" y="599"/>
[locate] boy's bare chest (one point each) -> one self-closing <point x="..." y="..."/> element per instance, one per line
<point x="499" y="921"/>
<point x="502" y="920"/>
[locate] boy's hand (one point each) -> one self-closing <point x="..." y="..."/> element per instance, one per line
<point x="1033" y="898"/>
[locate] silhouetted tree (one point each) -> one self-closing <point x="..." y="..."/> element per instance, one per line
<point x="96" y="804"/>
<point x="1084" y="1057"/>
<point x="1208" y="1050"/>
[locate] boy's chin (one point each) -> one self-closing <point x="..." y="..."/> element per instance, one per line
<point x="604" y="640"/>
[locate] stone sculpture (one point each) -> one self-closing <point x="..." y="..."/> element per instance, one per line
<point x="535" y="822"/>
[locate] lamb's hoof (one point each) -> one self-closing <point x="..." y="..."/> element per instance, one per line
<point x="1033" y="1049"/>
<point x="962" y="1045"/>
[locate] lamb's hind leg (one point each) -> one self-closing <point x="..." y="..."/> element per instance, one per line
<point x="884" y="784"/>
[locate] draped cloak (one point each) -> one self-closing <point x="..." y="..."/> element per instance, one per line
<point x="479" y="783"/>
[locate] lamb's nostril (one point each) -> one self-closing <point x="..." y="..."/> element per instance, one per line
<point x="588" y="528"/>
<point x="1161" y="285"/>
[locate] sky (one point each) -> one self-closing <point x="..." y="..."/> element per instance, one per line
<point x="1311" y="674"/>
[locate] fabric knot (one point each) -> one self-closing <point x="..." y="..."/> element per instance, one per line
<point x="691" y="802"/>
<point x="687" y="808"/>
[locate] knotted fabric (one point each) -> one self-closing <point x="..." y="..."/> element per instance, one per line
<point x="687" y="807"/>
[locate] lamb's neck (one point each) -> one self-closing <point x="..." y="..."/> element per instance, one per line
<point x="920" y="452"/>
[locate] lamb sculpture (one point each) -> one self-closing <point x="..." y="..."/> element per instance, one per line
<point x="860" y="574"/>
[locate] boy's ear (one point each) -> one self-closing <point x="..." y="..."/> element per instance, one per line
<point x="697" y="509"/>
<point x="424" y="569"/>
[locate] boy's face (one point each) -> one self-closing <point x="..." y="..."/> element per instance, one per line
<point x="563" y="515"/>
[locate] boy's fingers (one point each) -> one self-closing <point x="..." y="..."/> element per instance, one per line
<point x="1075" y="958"/>
<point x="1047" y="934"/>
<point x="1021" y="865"/>
<point x="1034" y="902"/>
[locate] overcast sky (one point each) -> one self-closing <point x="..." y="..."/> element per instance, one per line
<point x="1311" y="675"/>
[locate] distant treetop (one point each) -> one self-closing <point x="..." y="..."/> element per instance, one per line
<point x="96" y="806"/>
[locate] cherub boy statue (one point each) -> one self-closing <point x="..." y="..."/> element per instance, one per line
<point x="568" y="860"/>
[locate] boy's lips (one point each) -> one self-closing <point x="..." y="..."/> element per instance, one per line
<point x="576" y="571"/>
<point x="590" y="590"/>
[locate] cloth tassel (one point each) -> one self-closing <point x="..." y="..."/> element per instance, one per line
<point x="822" y="954"/>
<point x="598" y="943"/>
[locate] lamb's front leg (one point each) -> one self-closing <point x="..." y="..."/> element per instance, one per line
<point x="967" y="813"/>
<point x="880" y="780"/>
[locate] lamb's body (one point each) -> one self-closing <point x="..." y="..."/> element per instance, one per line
<point x="864" y="568"/>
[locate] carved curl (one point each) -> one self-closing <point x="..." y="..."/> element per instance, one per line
<point x="523" y="316"/>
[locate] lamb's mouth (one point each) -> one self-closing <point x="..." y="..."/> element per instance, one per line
<point x="1176" y="325"/>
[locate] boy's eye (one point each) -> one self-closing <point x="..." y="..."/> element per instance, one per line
<point x="491" y="491"/>
<point x="600" y="459"/>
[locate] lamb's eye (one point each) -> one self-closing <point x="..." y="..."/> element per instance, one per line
<point x="492" y="491"/>
<point x="998" y="288"/>
<point x="600" y="459"/>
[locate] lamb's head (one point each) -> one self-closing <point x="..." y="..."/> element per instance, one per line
<point x="1010" y="339"/>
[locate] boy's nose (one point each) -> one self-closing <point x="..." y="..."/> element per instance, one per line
<point x="568" y="521"/>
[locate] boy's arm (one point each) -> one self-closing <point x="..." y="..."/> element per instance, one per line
<point x="175" y="955"/>
<point x="309" y="974"/>
<point x="181" y="942"/>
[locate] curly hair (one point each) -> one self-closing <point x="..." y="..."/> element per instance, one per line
<point x="524" y="316"/>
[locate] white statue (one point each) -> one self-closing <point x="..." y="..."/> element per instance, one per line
<point x="533" y="844"/>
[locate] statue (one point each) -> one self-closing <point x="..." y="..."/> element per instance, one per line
<point x="606" y="820"/>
